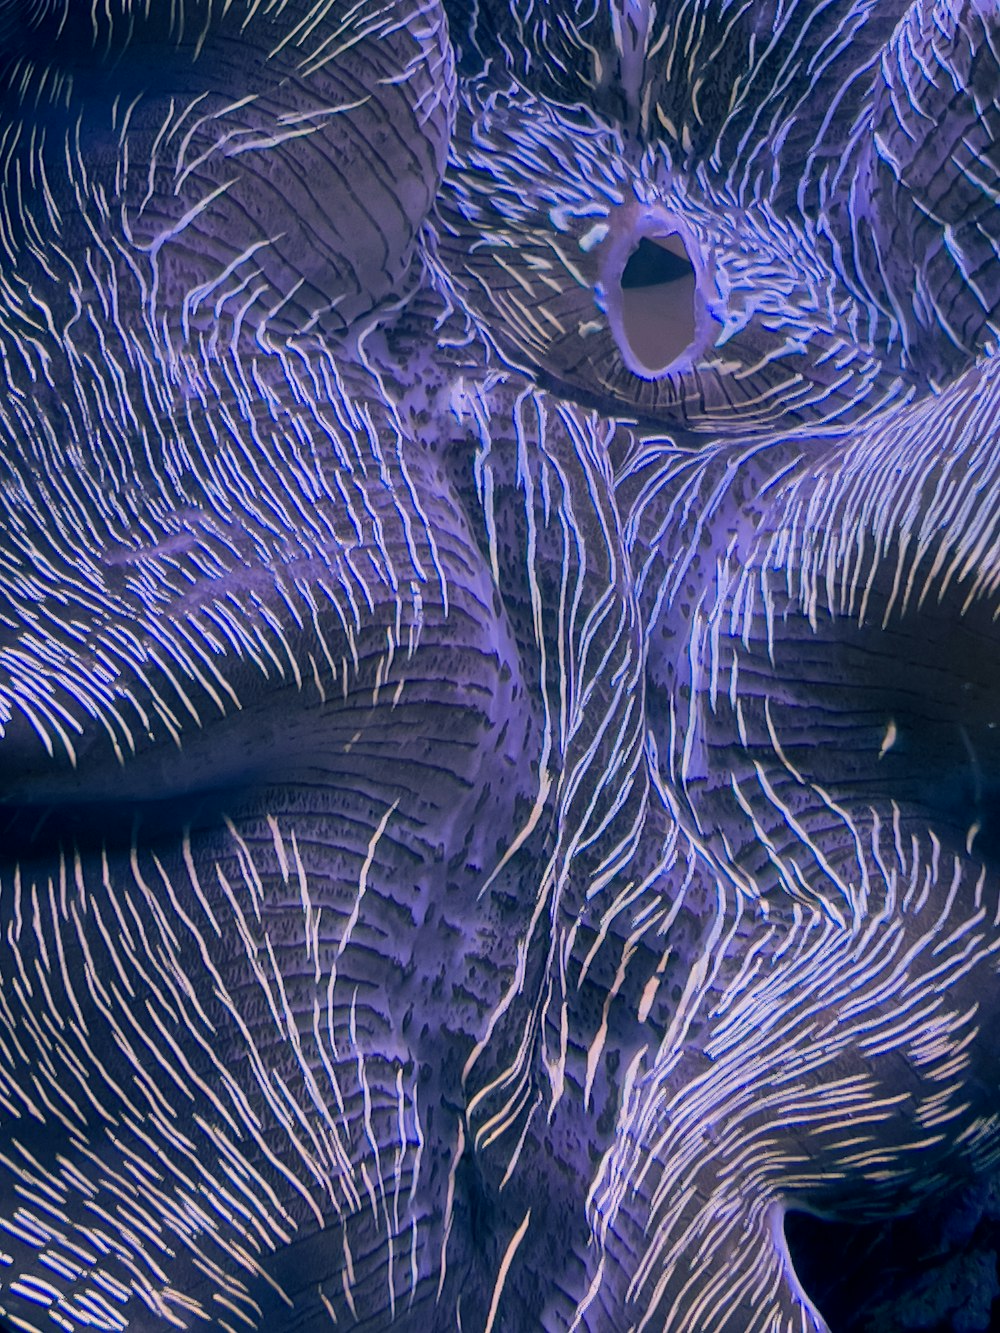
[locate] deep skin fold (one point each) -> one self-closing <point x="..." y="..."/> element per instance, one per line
<point x="574" y="839"/>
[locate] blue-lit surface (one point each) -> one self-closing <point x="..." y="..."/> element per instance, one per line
<point x="499" y="580"/>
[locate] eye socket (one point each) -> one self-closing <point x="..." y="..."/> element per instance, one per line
<point x="657" y="304"/>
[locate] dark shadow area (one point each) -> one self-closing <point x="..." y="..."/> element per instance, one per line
<point x="651" y="264"/>
<point x="906" y="708"/>
<point x="934" y="1271"/>
<point x="42" y="831"/>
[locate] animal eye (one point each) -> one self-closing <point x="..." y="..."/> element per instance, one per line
<point x="843" y="196"/>
<point x="656" y="320"/>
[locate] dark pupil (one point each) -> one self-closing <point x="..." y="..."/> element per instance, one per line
<point x="651" y="265"/>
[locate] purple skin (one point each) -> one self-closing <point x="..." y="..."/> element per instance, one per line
<point x="486" y="830"/>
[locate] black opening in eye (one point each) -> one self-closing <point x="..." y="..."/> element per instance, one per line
<point x="651" y="263"/>
<point x="658" y="301"/>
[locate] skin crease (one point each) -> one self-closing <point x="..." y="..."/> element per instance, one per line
<point x="484" y="832"/>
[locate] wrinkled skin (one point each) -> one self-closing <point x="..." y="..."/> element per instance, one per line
<point x="484" y="830"/>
